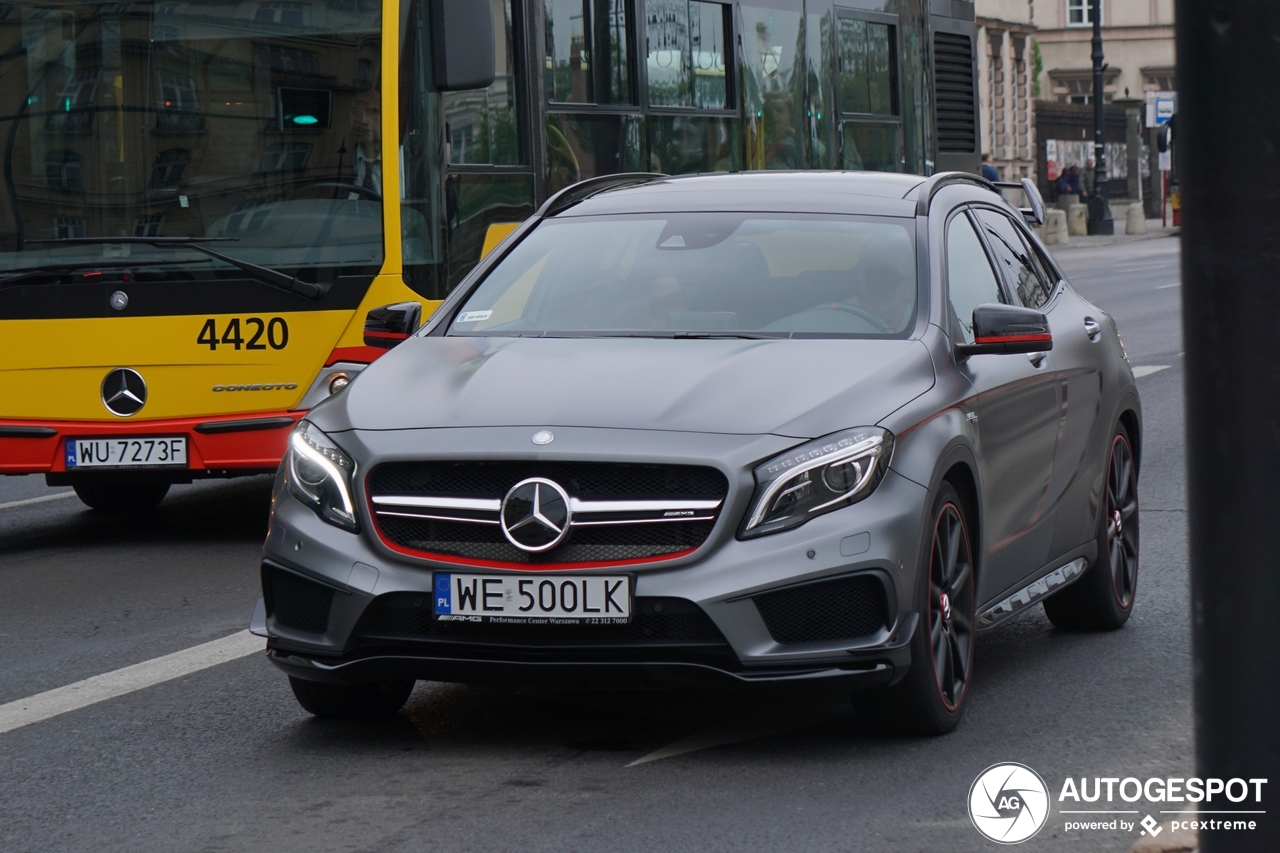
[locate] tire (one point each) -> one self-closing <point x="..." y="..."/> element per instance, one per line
<point x="930" y="700"/>
<point x="1102" y="599"/>
<point x="351" y="701"/>
<point x="121" y="498"/>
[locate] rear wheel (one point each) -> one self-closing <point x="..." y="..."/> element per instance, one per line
<point x="351" y="701"/>
<point x="930" y="700"/>
<point x="121" y="498"/>
<point x="1103" y="599"/>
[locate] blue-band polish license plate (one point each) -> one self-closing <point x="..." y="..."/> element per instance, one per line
<point x="153" y="452"/>
<point x="533" y="599"/>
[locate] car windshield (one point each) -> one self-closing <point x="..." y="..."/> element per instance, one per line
<point x="713" y="274"/>
<point x="254" y="122"/>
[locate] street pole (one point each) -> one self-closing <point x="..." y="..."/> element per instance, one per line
<point x="1100" y="221"/>
<point x="1228" y="67"/>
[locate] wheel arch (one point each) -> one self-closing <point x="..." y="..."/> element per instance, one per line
<point x="1133" y="425"/>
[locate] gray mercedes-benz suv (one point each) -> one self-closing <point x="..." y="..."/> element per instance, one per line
<point x="740" y="429"/>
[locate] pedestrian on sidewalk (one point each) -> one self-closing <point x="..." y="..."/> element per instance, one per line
<point x="1087" y="183"/>
<point x="990" y="172"/>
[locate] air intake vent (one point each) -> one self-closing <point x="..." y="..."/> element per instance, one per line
<point x="953" y="93"/>
<point x="842" y="609"/>
<point x="296" y="602"/>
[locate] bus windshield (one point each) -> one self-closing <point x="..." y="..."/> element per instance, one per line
<point x="257" y="122"/>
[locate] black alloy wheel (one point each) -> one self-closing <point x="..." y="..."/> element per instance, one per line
<point x="951" y="605"/>
<point x="1103" y="598"/>
<point x="930" y="699"/>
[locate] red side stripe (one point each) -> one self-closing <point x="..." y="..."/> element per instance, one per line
<point x="1013" y="339"/>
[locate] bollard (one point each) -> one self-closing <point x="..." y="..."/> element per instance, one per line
<point x="1078" y="220"/>
<point x="1135" y="222"/>
<point x="1054" y="230"/>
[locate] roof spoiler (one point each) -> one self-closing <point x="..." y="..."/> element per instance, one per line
<point x="582" y="190"/>
<point x="1035" y="213"/>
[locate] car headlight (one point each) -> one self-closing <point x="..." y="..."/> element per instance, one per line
<point x="817" y="477"/>
<point x="319" y="475"/>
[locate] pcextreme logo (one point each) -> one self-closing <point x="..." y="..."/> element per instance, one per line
<point x="1009" y="803"/>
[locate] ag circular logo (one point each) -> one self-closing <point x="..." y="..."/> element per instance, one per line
<point x="1008" y="803"/>
<point x="535" y="515"/>
<point x="124" y="392"/>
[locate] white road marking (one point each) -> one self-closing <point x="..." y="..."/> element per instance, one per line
<point x="109" y="685"/>
<point x="29" y="501"/>
<point x="1167" y="286"/>
<point x="1148" y="369"/>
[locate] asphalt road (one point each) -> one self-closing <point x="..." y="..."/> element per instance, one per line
<point x="224" y="759"/>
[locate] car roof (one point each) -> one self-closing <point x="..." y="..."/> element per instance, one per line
<point x="870" y="193"/>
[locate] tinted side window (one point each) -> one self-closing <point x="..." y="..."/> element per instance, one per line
<point x="970" y="280"/>
<point x="1012" y="255"/>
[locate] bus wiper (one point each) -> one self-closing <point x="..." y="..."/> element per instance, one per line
<point x="21" y="274"/>
<point x="266" y="275"/>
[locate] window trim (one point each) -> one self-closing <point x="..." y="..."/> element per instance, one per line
<point x="632" y="14"/>
<point x="966" y="210"/>
<point x="1011" y="291"/>
<point x="895" y="24"/>
<point x="730" y="75"/>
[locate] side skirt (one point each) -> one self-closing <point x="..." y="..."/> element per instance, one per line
<point x="1032" y="593"/>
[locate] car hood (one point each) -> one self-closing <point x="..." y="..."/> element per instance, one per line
<point x="801" y="388"/>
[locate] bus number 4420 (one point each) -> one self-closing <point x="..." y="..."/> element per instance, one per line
<point x="249" y="333"/>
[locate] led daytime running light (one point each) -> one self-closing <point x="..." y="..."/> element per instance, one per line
<point x="830" y="454"/>
<point x="315" y="454"/>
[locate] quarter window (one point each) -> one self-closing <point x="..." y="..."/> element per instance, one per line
<point x="970" y="279"/>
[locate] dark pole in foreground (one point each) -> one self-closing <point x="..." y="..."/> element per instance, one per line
<point x="1100" y="221"/>
<point x="1228" y="139"/>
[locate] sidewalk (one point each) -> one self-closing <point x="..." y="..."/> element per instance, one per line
<point x="1154" y="231"/>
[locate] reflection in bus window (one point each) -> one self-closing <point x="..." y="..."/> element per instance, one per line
<point x="687" y="54"/>
<point x="145" y="119"/>
<point x="773" y="81"/>
<point x="587" y="52"/>
<point x="482" y="122"/>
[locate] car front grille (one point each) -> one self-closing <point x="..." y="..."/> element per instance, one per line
<point x="296" y="602"/>
<point x="842" y="609"/>
<point x="622" y="512"/>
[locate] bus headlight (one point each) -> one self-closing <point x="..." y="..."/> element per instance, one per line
<point x="816" y="478"/>
<point x="319" y="475"/>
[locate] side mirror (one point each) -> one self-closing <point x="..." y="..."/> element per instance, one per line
<point x="461" y="44"/>
<point x="388" y="325"/>
<point x="1001" y="329"/>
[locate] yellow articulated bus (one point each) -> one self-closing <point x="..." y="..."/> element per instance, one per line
<point x="215" y="213"/>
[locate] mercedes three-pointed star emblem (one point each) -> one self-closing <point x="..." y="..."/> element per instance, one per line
<point x="124" y="392"/>
<point x="535" y="515"/>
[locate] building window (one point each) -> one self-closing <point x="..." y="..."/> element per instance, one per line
<point x="687" y="54"/>
<point x="278" y="57"/>
<point x="285" y="13"/>
<point x="284" y="157"/>
<point x="178" y="110"/>
<point x="1158" y="80"/>
<point x="148" y="226"/>
<point x="64" y="170"/>
<point x="168" y="169"/>
<point x="1076" y="87"/>
<point x="1080" y="13"/>
<point x="69" y="226"/>
<point x="587" y="60"/>
<point x="73" y="112"/>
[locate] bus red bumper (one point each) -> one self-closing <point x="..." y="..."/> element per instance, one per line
<point x="230" y="444"/>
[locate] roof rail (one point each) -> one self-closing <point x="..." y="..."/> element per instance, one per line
<point x="571" y="195"/>
<point x="929" y="188"/>
<point x="1035" y="213"/>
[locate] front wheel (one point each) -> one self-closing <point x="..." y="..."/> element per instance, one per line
<point x="1103" y="599"/>
<point x="121" y="498"/>
<point x="351" y="701"/>
<point x="930" y="699"/>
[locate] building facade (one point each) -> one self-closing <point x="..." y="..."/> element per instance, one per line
<point x="1138" y="41"/>
<point x="1006" y="84"/>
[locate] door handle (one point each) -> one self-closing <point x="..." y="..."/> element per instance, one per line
<point x="1092" y="329"/>
<point x="1036" y="358"/>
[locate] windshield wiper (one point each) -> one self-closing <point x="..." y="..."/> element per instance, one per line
<point x="743" y="336"/>
<point x="266" y="275"/>
<point x="21" y="274"/>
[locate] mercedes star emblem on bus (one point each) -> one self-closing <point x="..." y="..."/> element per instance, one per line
<point x="124" y="392"/>
<point x="535" y="515"/>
